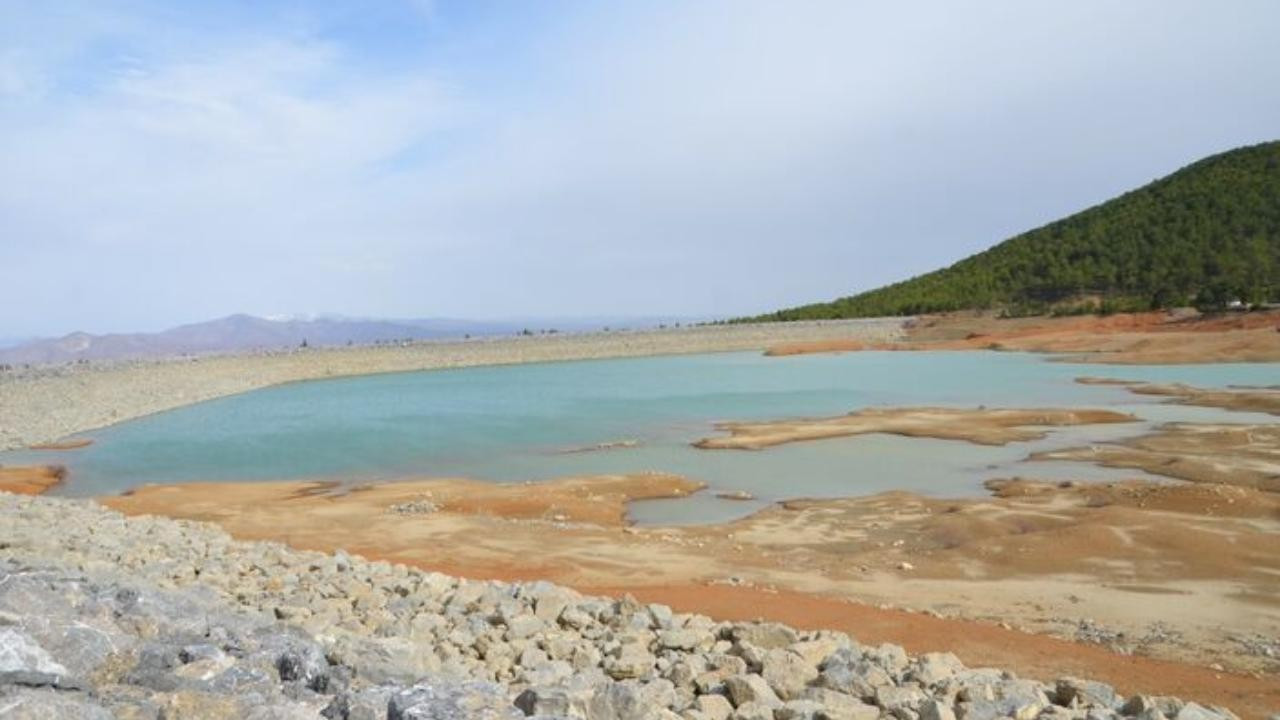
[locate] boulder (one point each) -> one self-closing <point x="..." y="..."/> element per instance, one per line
<point x="744" y="689"/>
<point x="787" y="673"/>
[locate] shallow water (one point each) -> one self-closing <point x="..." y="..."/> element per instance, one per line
<point x="514" y="423"/>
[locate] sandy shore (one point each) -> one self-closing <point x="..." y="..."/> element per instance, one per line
<point x="46" y="404"/>
<point x="1141" y="338"/>
<point x="981" y="426"/>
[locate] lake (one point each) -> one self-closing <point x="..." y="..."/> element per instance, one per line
<point x="516" y="423"/>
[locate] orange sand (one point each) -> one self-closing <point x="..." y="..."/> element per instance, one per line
<point x="31" y="479"/>
<point x="1139" y="338"/>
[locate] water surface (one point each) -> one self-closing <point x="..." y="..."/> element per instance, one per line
<point x="514" y="424"/>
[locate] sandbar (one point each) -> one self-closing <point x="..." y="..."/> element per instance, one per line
<point x="1229" y="454"/>
<point x="1259" y="399"/>
<point x="982" y="426"/>
<point x="31" y="479"/>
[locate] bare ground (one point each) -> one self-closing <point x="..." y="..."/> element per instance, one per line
<point x="1140" y="338"/>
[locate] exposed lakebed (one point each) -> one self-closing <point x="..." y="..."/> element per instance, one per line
<point x="539" y="421"/>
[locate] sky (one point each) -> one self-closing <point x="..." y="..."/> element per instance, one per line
<point x="166" y="162"/>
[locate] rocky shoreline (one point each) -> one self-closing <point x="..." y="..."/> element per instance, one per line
<point x="106" y="616"/>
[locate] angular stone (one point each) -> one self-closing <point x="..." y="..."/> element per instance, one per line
<point x="368" y="704"/>
<point x="25" y="704"/>
<point x="1074" y="692"/>
<point x="754" y="711"/>
<point x="936" y="710"/>
<point x="523" y="626"/>
<point x="817" y="650"/>
<point x="933" y="668"/>
<point x="631" y="661"/>
<point x="621" y="701"/>
<point x="713" y="707"/>
<point x="891" y="698"/>
<point x="765" y="636"/>
<point x="681" y="639"/>
<point x="1193" y="711"/>
<point x="859" y="680"/>
<point x="443" y="700"/>
<point x="787" y="673"/>
<point x="797" y="710"/>
<point x="20" y="653"/>
<point x="743" y="689"/>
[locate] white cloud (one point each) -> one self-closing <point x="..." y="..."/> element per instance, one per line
<point x="700" y="158"/>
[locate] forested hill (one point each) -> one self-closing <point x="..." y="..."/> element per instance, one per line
<point x="1207" y="234"/>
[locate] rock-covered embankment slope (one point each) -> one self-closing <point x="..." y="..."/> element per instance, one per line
<point x="105" y="616"/>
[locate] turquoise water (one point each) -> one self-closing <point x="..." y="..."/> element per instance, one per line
<point x="514" y="424"/>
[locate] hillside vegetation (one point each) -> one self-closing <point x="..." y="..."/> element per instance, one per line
<point x="1207" y="234"/>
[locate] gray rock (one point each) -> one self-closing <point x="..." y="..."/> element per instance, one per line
<point x="19" y="653"/>
<point x="547" y="701"/>
<point x="816" y="651"/>
<point x="744" y="689"/>
<point x="859" y="679"/>
<point x="1074" y="692"/>
<point x="523" y="626"/>
<point x="385" y="660"/>
<point x="787" y="673"/>
<point x="713" y="707"/>
<point x="838" y="706"/>
<point x="27" y="704"/>
<point x="765" y="636"/>
<point x="798" y="710"/>
<point x="682" y="639"/>
<point x="367" y="704"/>
<point x="753" y="711"/>
<point x="445" y="700"/>
<point x="935" y="710"/>
<point x="891" y="658"/>
<point x="892" y="698"/>
<point x="933" y="668"/>
<point x="1139" y="704"/>
<point x="627" y="700"/>
<point x="631" y="661"/>
<point x="1193" y="711"/>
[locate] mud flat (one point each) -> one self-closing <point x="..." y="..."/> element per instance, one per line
<point x="1044" y="578"/>
<point x="1264" y="400"/>
<point x="1140" y="338"/>
<point x="1242" y="455"/>
<point x="981" y="426"/>
<point x="31" y="479"/>
<point x="45" y="404"/>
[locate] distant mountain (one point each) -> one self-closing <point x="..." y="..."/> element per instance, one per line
<point x="1207" y="234"/>
<point x="239" y="333"/>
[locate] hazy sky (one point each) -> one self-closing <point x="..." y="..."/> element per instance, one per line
<point x="164" y="162"/>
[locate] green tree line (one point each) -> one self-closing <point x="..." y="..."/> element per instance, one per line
<point x="1208" y="234"/>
